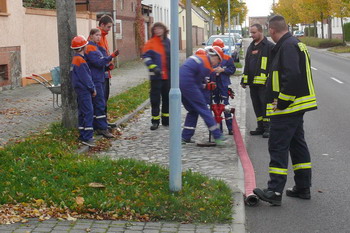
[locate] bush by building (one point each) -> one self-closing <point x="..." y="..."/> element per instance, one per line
<point x="321" y="43"/>
<point x="47" y="4"/>
<point x="310" y="31"/>
<point x="347" y="31"/>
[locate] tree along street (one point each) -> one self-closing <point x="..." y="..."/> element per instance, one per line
<point x="326" y="132"/>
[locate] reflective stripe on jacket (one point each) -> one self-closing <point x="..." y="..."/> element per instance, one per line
<point x="156" y="53"/>
<point x="262" y="66"/>
<point x="290" y="80"/>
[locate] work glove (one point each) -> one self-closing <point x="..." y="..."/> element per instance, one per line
<point x="157" y="71"/>
<point x="210" y="86"/>
<point x="109" y="67"/>
<point x="231" y="93"/>
<point x="115" y="53"/>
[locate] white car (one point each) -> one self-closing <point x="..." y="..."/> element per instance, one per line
<point x="234" y="49"/>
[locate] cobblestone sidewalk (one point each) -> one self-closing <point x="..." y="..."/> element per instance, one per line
<point x="24" y="111"/>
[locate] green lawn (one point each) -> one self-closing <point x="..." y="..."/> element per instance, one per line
<point x="340" y="49"/>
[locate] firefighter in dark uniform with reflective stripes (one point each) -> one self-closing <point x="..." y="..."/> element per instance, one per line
<point x="156" y="56"/>
<point x="255" y="74"/>
<point x="290" y="93"/>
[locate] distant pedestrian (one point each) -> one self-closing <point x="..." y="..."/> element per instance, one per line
<point x="192" y="73"/>
<point x="290" y="93"/>
<point x="97" y="63"/>
<point x="256" y="69"/>
<point x="105" y="25"/>
<point x="221" y="77"/>
<point x="156" y="55"/>
<point x="85" y="90"/>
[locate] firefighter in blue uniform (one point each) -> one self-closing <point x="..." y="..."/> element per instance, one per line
<point x="97" y="63"/>
<point x="192" y="74"/>
<point x="290" y="93"/>
<point x="222" y="78"/>
<point x="85" y="90"/>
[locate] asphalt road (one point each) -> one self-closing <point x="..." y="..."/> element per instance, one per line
<point x="327" y="134"/>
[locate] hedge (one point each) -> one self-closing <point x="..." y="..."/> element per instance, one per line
<point x="321" y="43"/>
<point x="347" y="31"/>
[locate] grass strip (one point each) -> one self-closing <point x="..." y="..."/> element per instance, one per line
<point x="320" y="43"/>
<point x="128" y="101"/>
<point x="340" y="49"/>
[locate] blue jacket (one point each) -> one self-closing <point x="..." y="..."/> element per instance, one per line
<point x="156" y="53"/>
<point x="97" y="62"/>
<point x="193" y="72"/>
<point x="224" y="78"/>
<point x="81" y="75"/>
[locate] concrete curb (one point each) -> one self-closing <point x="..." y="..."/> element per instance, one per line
<point x="84" y="149"/>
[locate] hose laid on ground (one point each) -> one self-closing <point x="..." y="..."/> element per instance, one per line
<point x="249" y="176"/>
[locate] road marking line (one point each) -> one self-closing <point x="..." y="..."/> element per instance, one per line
<point x="337" y="80"/>
<point x="313" y="68"/>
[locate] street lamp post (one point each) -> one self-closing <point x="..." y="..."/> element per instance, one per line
<point x="229" y="26"/>
<point x="175" y="166"/>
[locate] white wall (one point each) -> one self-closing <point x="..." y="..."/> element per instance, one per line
<point x="160" y="10"/>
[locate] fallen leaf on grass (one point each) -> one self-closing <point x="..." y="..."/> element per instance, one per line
<point x="70" y="218"/>
<point x="79" y="200"/>
<point x="96" y="185"/>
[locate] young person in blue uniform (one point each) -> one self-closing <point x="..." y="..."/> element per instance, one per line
<point x="85" y="90"/>
<point x="97" y="63"/>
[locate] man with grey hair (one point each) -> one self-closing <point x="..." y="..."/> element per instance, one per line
<point x="255" y="73"/>
<point x="290" y="93"/>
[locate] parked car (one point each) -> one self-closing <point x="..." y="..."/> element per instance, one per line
<point x="234" y="53"/>
<point x="239" y="39"/>
<point x="298" y="33"/>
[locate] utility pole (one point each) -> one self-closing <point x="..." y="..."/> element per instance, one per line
<point x="189" y="49"/>
<point x="229" y="27"/>
<point x="67" y="29"/>
<point x="175" y="166"/>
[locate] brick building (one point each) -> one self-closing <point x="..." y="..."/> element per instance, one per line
<point x="263" y="20"/>
<point x="125" y="35"/>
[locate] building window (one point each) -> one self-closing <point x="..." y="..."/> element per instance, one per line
<point x="183" y="23"/>
<point x="3" y="73"/>
<point x="119" y="26"/>
<point x="3" y="6"/>
<point x="133" y="7"/>
<point x="121" y="4"/>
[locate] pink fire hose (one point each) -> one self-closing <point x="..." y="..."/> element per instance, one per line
<point x="249" y="176"/>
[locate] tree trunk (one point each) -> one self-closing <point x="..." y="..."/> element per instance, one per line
<point x="342" y="29"/>
<point x="223" y="21"/>
<point x="315" y="27"/>
<point x="329" y="27"/>
<point x="67" y="29"/>
<point x="322" y="29"/>
<point x="189" y="42"/>
<point x="309" y="31"/>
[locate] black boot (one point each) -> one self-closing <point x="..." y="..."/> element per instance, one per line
<point x="259" y="130"/>
<point x="266" y="133"/>
<point x="303" y="193"/>
<point x="154" y="126"/>
<point x="269" y="196"/>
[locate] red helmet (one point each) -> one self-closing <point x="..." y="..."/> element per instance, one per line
<point x="216" y="51"/>
<point x="218" y="42"/>
<point x="200" y="51"/>
<point x="78" y="42"/>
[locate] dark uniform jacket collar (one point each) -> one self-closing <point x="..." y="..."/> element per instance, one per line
<point x="264" y="41"/>
<point x="280" y="42"/>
